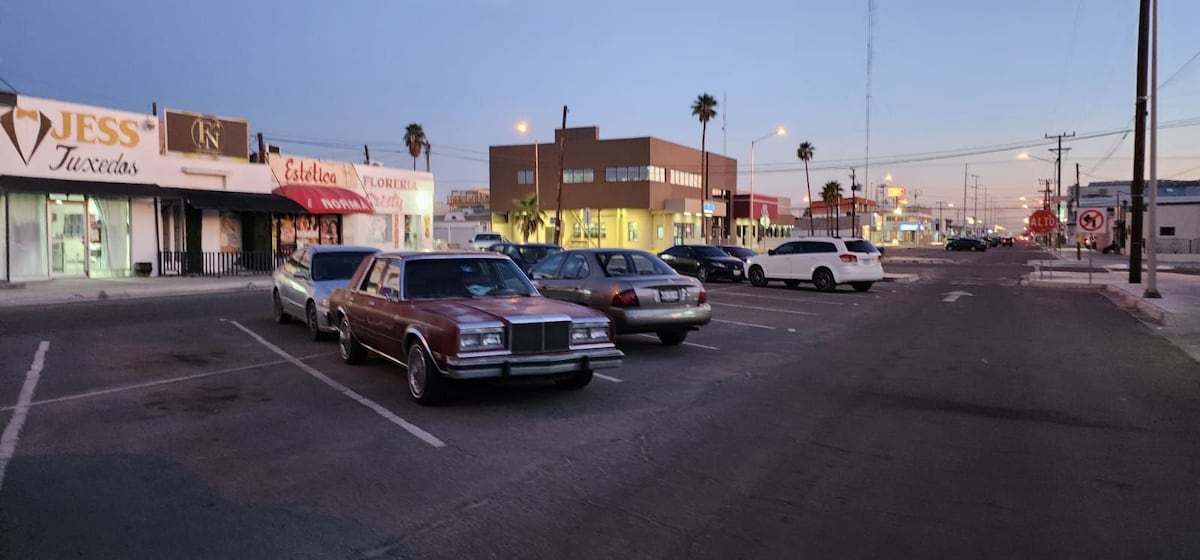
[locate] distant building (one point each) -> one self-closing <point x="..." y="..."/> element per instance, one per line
<point x="476" y="198"/>
<point x="1178" y="214"/>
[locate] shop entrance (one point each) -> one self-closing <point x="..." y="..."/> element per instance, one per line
<point x="68" y="236"/>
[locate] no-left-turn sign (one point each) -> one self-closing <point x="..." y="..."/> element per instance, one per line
<point x="1091" y="220"/>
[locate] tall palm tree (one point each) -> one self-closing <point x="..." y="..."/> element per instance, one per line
<point x="805" y="153"/>
<point x="426" y="147"/>
<point x="414" y="138"/>
<point x="832" y="195"/>
<point x="704" y="108"/>
<point x="525" y="216"/>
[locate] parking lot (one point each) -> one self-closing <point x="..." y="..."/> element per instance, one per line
<point x="195" y="427"/>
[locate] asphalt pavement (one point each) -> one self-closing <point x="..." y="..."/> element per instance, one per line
<point x="963" y="415"/>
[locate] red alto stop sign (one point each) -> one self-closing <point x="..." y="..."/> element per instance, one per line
<point x="1042" y="221"/>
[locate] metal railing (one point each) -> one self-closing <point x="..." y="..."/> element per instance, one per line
<point x="207" y="263"/>
<point x="1178" y="246"/>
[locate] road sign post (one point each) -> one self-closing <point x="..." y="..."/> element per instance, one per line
<point x="1091" y="221"/>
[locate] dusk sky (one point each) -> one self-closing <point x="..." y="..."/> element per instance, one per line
<point x="948" y="75"/>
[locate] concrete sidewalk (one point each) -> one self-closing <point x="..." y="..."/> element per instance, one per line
<point x="84" y="289"/>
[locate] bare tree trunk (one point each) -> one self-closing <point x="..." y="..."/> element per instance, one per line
<point x="703" y="179"/>
<point x="427" y="158"/>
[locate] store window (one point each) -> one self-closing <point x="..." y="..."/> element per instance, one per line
<point x="633" y="231"/>
<point x="27" y="236"/>
<point x="108" y="237"/>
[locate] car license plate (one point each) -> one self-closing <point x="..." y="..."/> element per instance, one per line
<point x="668" y="296"/>
<point x="737" y="272"/>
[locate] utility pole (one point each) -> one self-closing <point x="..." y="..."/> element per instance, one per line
<point x="941" y="221"/>
<point x="962" y="223"/>
<point x="1138" y="187"/>
<point x="562" y="145"/>
<point x="1058" y="169"/>
<point x="1152" y="214"/>
<point x="853" y="203"/>
<point x="367" y="154"/>
<point x="976" y="211"/>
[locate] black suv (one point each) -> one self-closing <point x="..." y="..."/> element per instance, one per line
<point x="705" y="262"/>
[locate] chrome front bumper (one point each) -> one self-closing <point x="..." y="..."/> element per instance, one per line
<point x="523" y="365"/>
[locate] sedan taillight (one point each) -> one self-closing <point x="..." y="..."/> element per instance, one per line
<point x="702" y="298"/>
<point x="848" y="258"/>
<point x="628" y="298"/>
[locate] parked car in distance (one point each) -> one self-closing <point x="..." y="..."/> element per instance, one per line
<point x="462" y="315"/>
<point x="966" y="244"/>
<point x="738" y="252"/>
<point x="525" y="254"/>
<point x="825" y="261"/>
<point x="1006" y="241"/>
<point x="705" y="262"/>
<point x="304" y="282"/>
<point x="485" y="239"/>
<point x="635" y="288"/>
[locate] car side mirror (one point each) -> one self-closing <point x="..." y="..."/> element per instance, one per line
<point x="770" y="251"/>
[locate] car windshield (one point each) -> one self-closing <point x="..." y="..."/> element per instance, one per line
<point x="628" y="263"/>
<point x="708" y="251"/>
<point x="464" y="277"/>
<point x="535" y="254"/>
<point x="861" y="246"/>
<point x="487" y="237"/>
<point x="336" y="265"/>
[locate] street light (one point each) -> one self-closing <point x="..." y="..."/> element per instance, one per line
<point x="523" y="128"/>
<point x="779" y="131"/>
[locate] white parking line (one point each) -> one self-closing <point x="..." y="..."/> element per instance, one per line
<point x="12" y="432"/>
<point x="744" y="324"/>
<point x="167" y="381"/>
<point x="685" y="343"/>
<point x="793" y="300"/>
<point x="380" y="410"/>
<point x="762" y="308"/>
<point x="608" y="378"/>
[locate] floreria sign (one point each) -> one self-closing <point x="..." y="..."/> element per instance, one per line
<point x="44" y="138"/>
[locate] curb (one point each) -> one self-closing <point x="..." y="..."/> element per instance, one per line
<point x="1034" y="283"/>
<point x="1133" y="303"/>
<point x="914" y="260"/>
<point x="102" y="295"/>
<point x="901" y="278"/>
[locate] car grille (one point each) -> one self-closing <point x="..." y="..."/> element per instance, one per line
<point x="532" y="338"/>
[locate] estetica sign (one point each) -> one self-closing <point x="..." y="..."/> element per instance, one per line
<point x="46" y="138"/>
<point x="291" y="170"/>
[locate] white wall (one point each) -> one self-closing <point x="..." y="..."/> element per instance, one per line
<point x="210" y="231"/>
<point x="142" y="245"/>
<point x="449" y="233"/>
<point x="1185" y="218"/>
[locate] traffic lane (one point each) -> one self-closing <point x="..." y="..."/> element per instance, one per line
<point x="963" y="441"/>
<point x="17" y="353"/>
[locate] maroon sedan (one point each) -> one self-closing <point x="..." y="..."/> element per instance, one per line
<point x="458" y="315"/>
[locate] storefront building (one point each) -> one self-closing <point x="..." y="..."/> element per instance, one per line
<point x="77" y="189"/>
<point x="403" y="210"/>
<point x="642" y="193"/>
<point x="762" y="223"/>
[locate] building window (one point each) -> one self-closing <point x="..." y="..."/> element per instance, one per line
<point x="633" y="231"/>
<point x="525" y="177"/>
<point x="589" y="231"/>
<point x="634" y="173"/>
<point x="1166" y="231"/>
<point x="577" y="176"/>
<point x="658" y="232"/>
<point x="685" y="178"/>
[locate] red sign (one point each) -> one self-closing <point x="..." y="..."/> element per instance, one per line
<point x="1042" y="221"/>
<point x="326" y="200"/>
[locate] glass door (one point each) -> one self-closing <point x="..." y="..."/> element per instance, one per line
<point x="68" y="241"/>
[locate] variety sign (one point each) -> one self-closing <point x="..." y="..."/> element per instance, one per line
<point x="52" y="139"/>
<point x="193" y="133"/>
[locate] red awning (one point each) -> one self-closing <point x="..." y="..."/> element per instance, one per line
<point x="326" y="200"/>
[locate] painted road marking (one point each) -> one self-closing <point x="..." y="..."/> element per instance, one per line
<point x="607" y="378"/>
<point x="793" y="300"/>
<point x="744" y="324"/>
<point x="380" y="410"/>
<point x="12" y="432"/>
<point x="685" y="343"/>
<point x="762" y="308"/>
<point x="952" y="297"/>
<point x="156" y="383"/>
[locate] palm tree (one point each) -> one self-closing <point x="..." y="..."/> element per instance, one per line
<point x="832" y="195"/>
<point x="704" y="108"/>
<point x="426" y="146"/>
<point x="525" y="216"/>
<point x="414" y="138"/>
<point x="805" y="153"/>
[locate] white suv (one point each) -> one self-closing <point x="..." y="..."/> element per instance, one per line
<point x="824" y="261"/>
<point x="484" y="240"/>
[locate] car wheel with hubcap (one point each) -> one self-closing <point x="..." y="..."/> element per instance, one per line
<point x="352" y="351"/>
<point x="861" y="286"/>
<point x="672" y="338"/>
<point x="702" y="274"/>
<point x="277" y="313"/>
<point x="578" y="380"/>
<point x="310" y="321"/>
<point x="425" y="384"/>
<point x="824" y="281"/>
<point x="757" y="278"/>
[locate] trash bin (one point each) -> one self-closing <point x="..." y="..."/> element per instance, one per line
<point x="143" y="269"/>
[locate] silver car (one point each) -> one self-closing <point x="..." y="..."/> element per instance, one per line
<point x="635" y="288"/>
<point x="303" y="283"/>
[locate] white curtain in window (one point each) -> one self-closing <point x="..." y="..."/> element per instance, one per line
<point x="27" y="236"/>
<point x="113" y="216"/>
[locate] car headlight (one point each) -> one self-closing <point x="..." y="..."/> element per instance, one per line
<point x="481" y="339"/>
<point x="718" y="265"/>
<point x="589" y="333"/>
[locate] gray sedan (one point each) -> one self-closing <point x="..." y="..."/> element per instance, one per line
<point x="635" y="288"/>
<point x="303" y="283"/>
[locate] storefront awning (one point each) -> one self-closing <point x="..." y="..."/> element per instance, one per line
<point x="236" y="201"/>
<point x="94" y="188"/>
<point x="326" y="200"/>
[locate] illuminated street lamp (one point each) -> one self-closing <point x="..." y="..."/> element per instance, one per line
<point x="779" y="131"/>
<point x="523" y="128"/>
